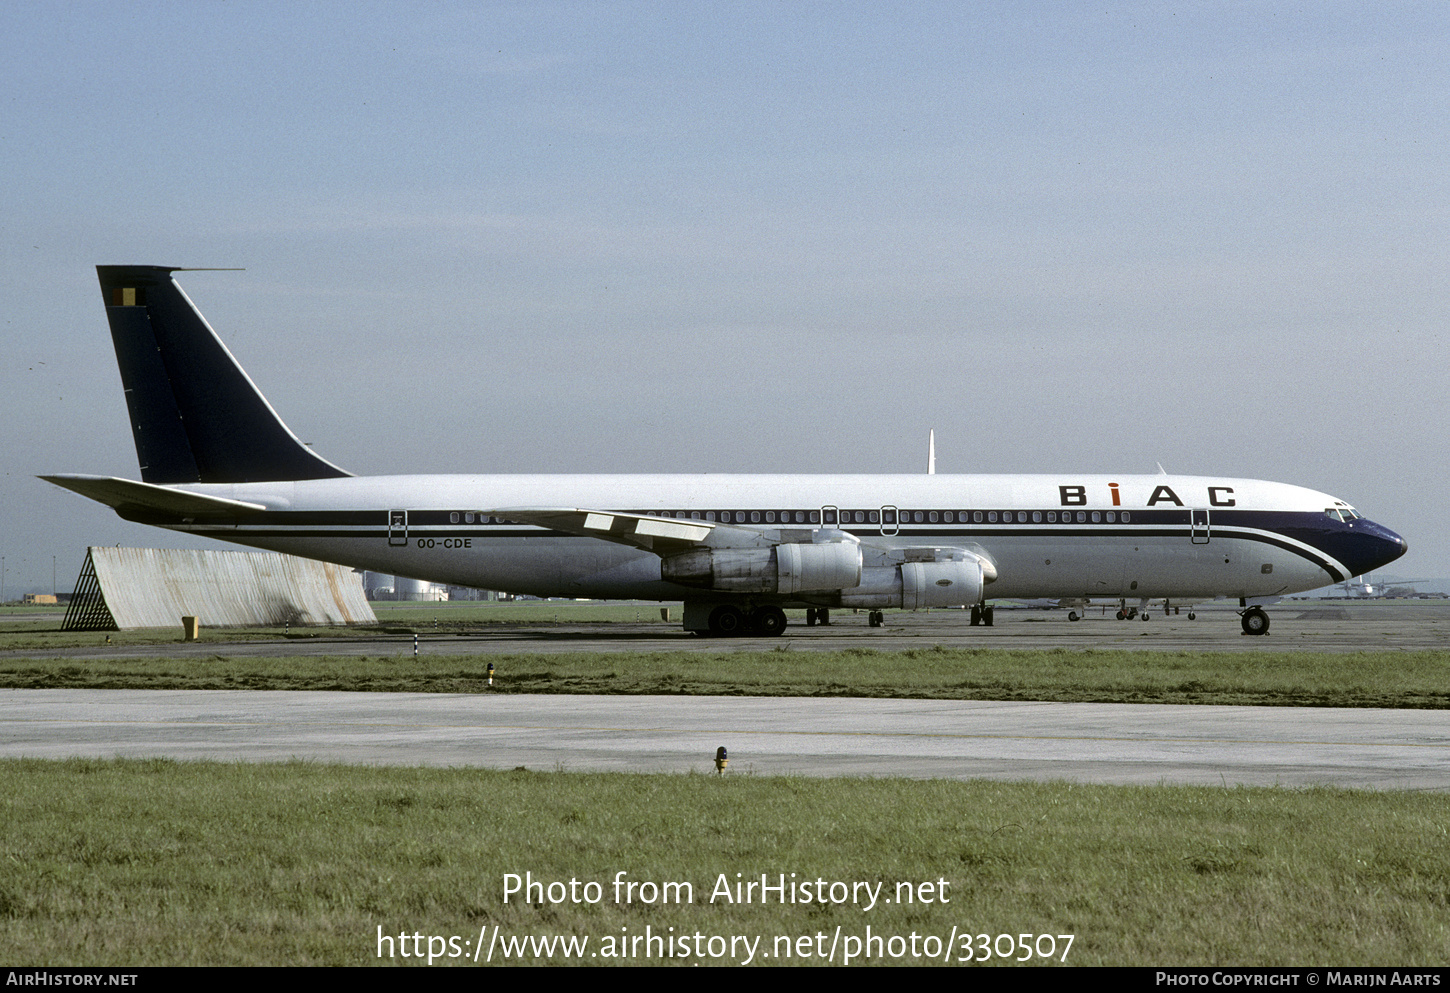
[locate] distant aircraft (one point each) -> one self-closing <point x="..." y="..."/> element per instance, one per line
<point x="1368" y="589"/>
<point x="216" y="460"/>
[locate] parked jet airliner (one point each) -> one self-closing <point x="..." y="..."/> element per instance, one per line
<point x="216" y="460"/>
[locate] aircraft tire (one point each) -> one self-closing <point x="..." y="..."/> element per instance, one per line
<point x="976" y="615"/>
<point x="1072" y="615"/>
<point x="810" y="617"/>
<point x="768" y="621"/>
<point x="823" y="616"/>
<point x="1121" y="616"/>
<point x="1192" y="615"/>
<point x="1255" y="621"/>
<point x="727" y="620"/>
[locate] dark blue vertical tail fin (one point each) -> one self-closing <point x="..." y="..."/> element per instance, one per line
<point x="196" y="415"/>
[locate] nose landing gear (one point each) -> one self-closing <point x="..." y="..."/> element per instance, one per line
<point x="1255" y="621"/>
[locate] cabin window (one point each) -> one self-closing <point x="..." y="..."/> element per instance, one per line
<point x="1127" y="517"/>
<point x="755" y="517"/>
<point x="453" y="517"/>
<point x="1037" y="517"/>
<point x="992" y="516"/>
<point x="1097" y="517"/>
<point x="977" y="517"/>
<point x="1082" y="517"/>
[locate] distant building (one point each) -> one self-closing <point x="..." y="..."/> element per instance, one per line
<point x="418" y="589"/>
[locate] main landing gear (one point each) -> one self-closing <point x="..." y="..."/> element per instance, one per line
<point x="730" y="621"/>
<point x="1255" y="621"/>
<point x="817" y="615"/>
<point x="981" y="615"/>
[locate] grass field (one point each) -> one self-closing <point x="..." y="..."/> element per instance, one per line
<point x="161" y="863"/>
<point x="1368" y="679"/>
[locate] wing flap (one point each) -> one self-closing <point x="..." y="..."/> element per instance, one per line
<point x="661" y="535"/>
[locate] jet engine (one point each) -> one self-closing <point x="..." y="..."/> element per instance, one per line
<point x="787" y="568"/>
<point x="937" y="577"/>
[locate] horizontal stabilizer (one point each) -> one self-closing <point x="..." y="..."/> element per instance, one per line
<point x="127" y="495"/>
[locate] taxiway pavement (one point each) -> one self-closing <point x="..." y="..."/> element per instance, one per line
<point x="1091" y="743"/>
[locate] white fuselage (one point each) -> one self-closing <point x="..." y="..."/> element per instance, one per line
<point x="1067" y="535"/>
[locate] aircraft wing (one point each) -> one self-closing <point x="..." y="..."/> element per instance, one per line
<point x="661" y="535"/>
<point x="127" y="495"/>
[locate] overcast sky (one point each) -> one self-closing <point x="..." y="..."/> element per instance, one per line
<point x="758" y="237"/>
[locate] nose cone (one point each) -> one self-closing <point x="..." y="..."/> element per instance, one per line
<point x="1372" y="547"/>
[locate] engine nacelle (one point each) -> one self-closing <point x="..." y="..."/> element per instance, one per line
<point x="787" y="568"/>
<point x="956" y="583"/>
<point x="946" y="582"/>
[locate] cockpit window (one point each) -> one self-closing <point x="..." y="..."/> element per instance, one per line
<point x="1345" y="514"/>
